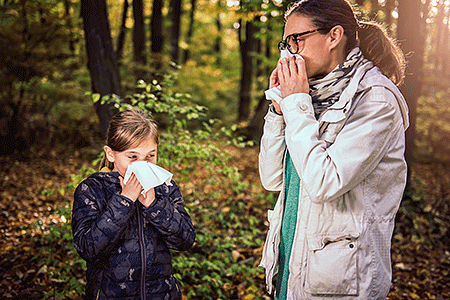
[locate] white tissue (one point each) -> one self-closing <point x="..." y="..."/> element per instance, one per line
<point x="275" y="92"/>
<point x="148" y="174"/>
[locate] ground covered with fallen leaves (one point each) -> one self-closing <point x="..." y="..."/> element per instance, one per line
<point x="34" y="190"/>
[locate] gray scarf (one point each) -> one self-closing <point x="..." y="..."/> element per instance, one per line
<point x="326" y="91"/>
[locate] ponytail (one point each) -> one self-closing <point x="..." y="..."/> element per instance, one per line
<point x="382" y="50"/>
<point x="106" y="163"/>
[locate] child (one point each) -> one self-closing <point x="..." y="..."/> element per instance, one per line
<point x="125" y="236"/>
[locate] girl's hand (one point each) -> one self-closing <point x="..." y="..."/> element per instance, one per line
<point x="149" y="197"/>
<point x="292" y="76"/>
<point x="132" y="189"/>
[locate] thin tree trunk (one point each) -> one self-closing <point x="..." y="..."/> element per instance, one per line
<point x="123" y="31"/>
<point x="439" y="36"/>
<point x="247" y="48"/>
<point x="102" y="65"/>
<point x="175" y="29"/>
<point x="69" y="26"/>
<point x="156" y="27"/>
<point x="412" y="42"/>
<point x="218" y="38"/>
<point x="187" y="52"/>
<point x="139" y="34"/>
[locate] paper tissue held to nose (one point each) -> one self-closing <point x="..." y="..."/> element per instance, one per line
<point x="275" y="92"/>
<point x="148" y="174"/>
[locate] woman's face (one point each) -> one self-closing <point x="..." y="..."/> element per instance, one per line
<point x="315" y="52"/>
<point x="144" y="151"/>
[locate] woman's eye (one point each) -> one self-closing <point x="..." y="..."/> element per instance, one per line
<point x="132" y="157"/>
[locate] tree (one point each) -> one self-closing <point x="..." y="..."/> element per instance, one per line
<point x="156" y="30"/>
<point x="412" y="44"/>
<point x="123" y="31"/>
<point x="247" y="49"/>
<point x="186" y="52"/>
<point x="139" y="39"/>
<point x="175" y="14"/>
<point x="139" y="32"/>
<point x="102" y="65"/>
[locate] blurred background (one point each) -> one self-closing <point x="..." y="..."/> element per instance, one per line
<point x="201" y="68"/>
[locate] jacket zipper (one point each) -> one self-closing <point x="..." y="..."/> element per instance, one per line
<point x="143" y="254"/>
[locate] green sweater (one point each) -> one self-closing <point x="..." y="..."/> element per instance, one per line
<point x="289" y="222"/>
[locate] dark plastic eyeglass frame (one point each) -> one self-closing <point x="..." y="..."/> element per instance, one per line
<point x="283" y="44"/>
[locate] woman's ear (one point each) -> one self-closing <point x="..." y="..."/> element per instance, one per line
<point x="109" y="154"/>
<point x="336" y="35"/>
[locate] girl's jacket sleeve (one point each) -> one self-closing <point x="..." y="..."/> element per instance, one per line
<point x="169" y="217"/>
<point x="97" y="223"/>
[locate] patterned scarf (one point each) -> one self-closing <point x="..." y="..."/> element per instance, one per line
<point x="326" y="91"/>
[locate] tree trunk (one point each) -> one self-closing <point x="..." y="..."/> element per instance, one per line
<point x="439" y="37"/>
<point x="247" y="48"/>
<point x="138" y="32"/>
<point x="446" y="44"/>
<point x="218" y="38"/>
<point x="187" y="52"/>
<point x="102" y="65"/>
<point x="175" y="29"/>
<point x="139" y="39"/>
<point x="123" y="31"/>
<point x="412" y="42"/>
<point x="69" y="26"/>
<point x="156" y="27"/>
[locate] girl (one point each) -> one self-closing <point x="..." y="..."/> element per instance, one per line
<point x="123" y="236"/>
<point x="333" y="145"/>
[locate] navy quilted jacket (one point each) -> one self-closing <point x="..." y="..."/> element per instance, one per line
<point x="125" y="244"/>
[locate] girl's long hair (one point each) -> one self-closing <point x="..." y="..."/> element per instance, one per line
<point x="128" y="128"/>
<point x="371" y="37"/>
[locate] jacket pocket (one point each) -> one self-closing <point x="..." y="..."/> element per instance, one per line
<point x="332" y="267"/>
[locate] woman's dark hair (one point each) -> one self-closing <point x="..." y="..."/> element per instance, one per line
<point x="127" y="129"/>
<point x="371" y="37"/>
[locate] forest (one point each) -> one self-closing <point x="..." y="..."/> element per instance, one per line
<point x="200" y="67"/>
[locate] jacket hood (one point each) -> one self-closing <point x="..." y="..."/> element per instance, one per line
<point x="365" y="78"/>
<point x="373" y="77"/>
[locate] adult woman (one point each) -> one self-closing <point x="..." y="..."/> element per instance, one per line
<point x="333" y="144"/>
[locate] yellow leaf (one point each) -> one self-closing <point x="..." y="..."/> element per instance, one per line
<point x="235" y="254"/>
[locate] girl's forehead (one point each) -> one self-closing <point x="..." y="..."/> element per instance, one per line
<point x="147" y="144"/>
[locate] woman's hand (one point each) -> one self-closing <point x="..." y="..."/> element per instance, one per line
<point x="132" y="189"/>
<point x="292" y="76"/>
<point x="274" y="82"/>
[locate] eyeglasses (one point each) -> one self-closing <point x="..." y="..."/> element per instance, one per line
<point x="293" y="43"/>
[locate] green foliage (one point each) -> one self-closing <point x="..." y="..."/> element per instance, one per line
<point x="36" y="59"/>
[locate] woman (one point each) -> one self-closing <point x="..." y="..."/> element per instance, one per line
<point x="333" y="145"/>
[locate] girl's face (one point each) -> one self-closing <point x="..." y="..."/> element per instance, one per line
<point x="316" y="50"/>
<point x="145" y="151"/>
